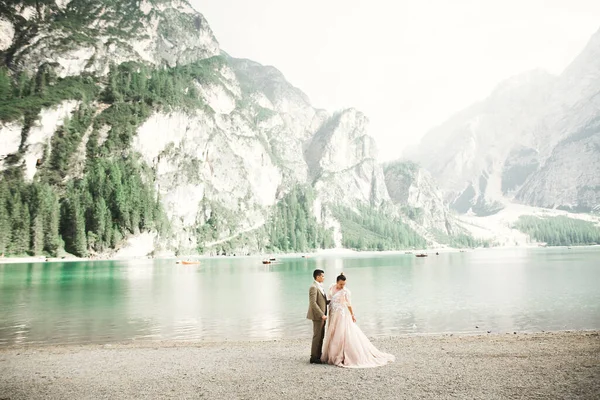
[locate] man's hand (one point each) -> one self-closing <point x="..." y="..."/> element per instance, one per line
<point x="324" y="317"/>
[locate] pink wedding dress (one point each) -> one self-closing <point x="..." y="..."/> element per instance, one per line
<point x="345" y="344"/>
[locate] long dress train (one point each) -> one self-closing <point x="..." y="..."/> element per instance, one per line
<point x="345" y="344"/>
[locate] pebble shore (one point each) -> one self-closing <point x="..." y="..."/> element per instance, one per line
<point x="496" y="366"/>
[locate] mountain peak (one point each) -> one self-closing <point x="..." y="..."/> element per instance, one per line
<point x="79" y="36"/>
<point x="516" y="139"/>
<point x="582" y="75"/>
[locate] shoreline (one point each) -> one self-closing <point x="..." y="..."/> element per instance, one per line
<point x="308" y="255"/>
<point x="143" y="343"/>
<point x="537" y="365"/>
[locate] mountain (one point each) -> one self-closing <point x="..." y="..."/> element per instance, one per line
<point x="415" y="191"/>
<point x="568" y="139"/>
<point x="534" y="140"/>
<point x="467" y="154"/>
<point x="125" y="128"/>
<point x="79" y="36"/>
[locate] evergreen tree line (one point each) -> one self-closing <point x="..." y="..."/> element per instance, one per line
<point x="560" y="230"/>
<point x="134" y="91"/>
<point x="29" y="218"/>
<point x="293" y="227"/>
<point x="463" y="240"/>
<point x="64" y="144"/>
<point x="110" y="202"/>
<point x="91" y="214"/>
<point x="24" y="95"/>
<point x="370" y="229"/>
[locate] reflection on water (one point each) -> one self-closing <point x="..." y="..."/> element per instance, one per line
<point x="239" y="298"/>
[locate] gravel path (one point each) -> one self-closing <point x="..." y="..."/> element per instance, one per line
<point x="524" y="366"/>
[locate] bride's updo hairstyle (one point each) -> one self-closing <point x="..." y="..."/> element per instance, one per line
<point x="341" y="277"/>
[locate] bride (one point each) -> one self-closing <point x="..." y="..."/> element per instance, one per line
<point x="345" y="344"/>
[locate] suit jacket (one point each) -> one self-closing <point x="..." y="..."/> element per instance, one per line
<point x="317" y="303"/>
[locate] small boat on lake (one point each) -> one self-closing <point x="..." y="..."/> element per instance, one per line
<point x="421" y="255"/>
<point x="266" y="261"/>
<point x="190" y="262"/>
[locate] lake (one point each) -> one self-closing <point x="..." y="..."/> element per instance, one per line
<point x="502" y="290"/>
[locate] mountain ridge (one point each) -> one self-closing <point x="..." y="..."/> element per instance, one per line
<point x="176" y="144"/>
<point x="514" y="145"/>
<point x="214" y="145"/>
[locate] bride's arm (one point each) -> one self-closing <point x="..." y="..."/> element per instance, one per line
<point x="349" y="305"/>
<point x="351" y="313"/>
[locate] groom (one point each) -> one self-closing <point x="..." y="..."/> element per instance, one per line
<point x="317" y="312"/>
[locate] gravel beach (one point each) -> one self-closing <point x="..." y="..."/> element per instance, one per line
<point x="521" y="366"/>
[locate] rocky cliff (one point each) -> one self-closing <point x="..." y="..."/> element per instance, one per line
<point x="414" y="190"/>
<point x="533" y="140"/>
<point x="567" y="138"/>
<point x="468" y="153"/>
<point x="80" y="36"/>
<point x="130" y="113"/>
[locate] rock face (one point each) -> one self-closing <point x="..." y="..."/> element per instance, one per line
<point x="80" y="36"/>
<point x="243" y="159"/>
<point x="467" y="154"/>
<point x="342" y="160"/>
<point x="568" y="139"/>
<point x="37" y="136"/>
<point x="519" y="165"/>
<point x="281" y="113"/>
<point x="416" y="192"/>
<point x="256" y="137"/>
<point x="7" y="33"/>
<point x="534" y="140"/>
<point x="569" y="177"/>
<point x="249" y="138"/>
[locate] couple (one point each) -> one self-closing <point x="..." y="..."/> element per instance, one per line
<point x="345" y="345"/>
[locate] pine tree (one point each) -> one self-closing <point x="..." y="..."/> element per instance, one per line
<point x="80" y="240"/>
<point x="51" y="223"/>
<point x="41" y="84"/>
<point x="4" y="218"/>
<point x="22" y="88"/>
<point x="5" y="84"/>
<point x="73" y="226"/>
<point x="25" y="234"/>
<point x="37" y="235"/>
<point x="19" y="242"/>
<point x="99" y="217"/>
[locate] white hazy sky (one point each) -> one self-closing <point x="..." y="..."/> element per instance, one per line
<point x="408" y="65"/>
